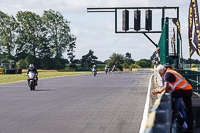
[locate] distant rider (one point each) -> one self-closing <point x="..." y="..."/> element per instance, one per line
<point x="33" y="69"/>
<point x="113" y="69"/>
<point x="106" y="69"/>
<point x="94" y="68"/>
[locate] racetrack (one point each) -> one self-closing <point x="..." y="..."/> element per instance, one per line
<point x="112" y="103"/>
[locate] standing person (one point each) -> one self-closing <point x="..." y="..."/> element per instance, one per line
<point x="157" y="59"/>
<point x="32" y="68"/>
<point x="156" y="62"/>
<point x="180" y="88"/>
<point x="180" y="108"/>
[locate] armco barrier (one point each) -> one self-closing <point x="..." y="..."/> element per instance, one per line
<point x="159" y="119"/>
<point x="142" y="69"/>
<point x="193" y="77"/>
<point x="194" y="69"/>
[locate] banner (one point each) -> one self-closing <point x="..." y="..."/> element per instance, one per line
<point x="194" y="15"/>
<point x="174" y="41"/>
<point x="177" y="23"/>
<point x="190" y="26"/>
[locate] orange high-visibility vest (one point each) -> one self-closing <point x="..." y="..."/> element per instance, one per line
<point x="180" y="83"/>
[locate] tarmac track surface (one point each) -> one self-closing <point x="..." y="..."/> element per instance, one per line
<point x="112" y="103"/>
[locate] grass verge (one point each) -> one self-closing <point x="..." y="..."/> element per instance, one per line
<point x="18" y="77"/>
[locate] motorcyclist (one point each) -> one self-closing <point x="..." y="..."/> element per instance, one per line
<point x="33" y="69"/>
<point x="113" y="69"/>
<point x="94" y="68"/>
<point x="106" y="69"/>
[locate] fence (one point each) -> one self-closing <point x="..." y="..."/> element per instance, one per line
<point x="193" y="77"/>
<point x="169" y="44"/>
<point x="143" y="69"/>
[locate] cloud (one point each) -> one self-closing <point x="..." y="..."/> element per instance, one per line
<point x="65" y="6"/>
<point x="96" y="31"/>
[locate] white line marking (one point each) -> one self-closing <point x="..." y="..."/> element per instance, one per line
<point x="146" y="109"/>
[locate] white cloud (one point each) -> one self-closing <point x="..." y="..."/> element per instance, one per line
<point x="96" y="30"/>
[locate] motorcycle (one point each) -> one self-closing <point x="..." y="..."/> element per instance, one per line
<point x="113" y="69"/>
<point x="94" y="71"/>
<point x="106" y="70"/>
<point x="32" y="80"/>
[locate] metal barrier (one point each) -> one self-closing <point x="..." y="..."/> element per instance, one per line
<point x="159" y="118"/>
<point x="143" y="69"/>
<point x="193" y="77"/>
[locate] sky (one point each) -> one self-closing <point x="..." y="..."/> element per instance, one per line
<point x="96" y="31"/>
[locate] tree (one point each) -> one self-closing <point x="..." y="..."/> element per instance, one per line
<point x="128" y="60"/>
<point x="116" y="59"/>
<point x="71" y="51"/>
<point x="188" y="61"/>
<point x="88" y="60"/>
<point x="126" y="65"/>
<point x="134" y="66"/>
<point x="24" y="63"/>
<point x="44" y="39"/>
<point x="58" y="29"/>
<point x="58" y="35"/>
<point x="30" y="33"/>
<point x="144" y="63"/>
<point x="8" y="27"/>
<point x="128" y="56"/>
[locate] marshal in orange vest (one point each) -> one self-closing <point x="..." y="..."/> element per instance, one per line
<point x="180" y="83"/>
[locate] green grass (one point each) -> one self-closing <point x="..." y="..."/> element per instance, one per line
<point x="18" y="77"/>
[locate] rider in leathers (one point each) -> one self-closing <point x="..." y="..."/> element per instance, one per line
<point x="32" y="68"/>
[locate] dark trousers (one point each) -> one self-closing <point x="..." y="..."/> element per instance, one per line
<point x="186" y="95"/>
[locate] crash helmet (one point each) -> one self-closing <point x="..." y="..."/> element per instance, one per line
<point x="31" y="66"/>
<point x="94" y="65"/>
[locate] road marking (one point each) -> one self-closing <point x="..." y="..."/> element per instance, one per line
<point x="146" y="109"/>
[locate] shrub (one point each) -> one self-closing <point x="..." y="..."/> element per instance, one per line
<point x="126" y="65"/>
<point x="134" y="66"/>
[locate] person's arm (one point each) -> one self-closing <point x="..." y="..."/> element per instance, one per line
<point x="27" y="72"/>
<point x="165" y="87"/>
<point x="156" y="91"/>
<point x="36" y="71"/>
